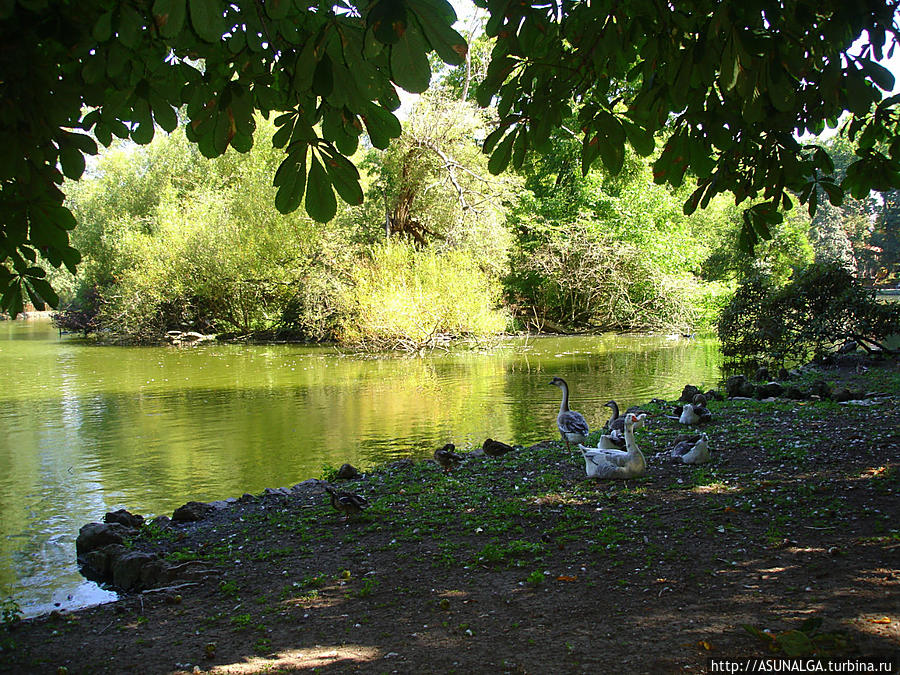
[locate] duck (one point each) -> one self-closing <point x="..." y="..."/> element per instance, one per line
<point x="628" y="463"/>
<point x="692" y="451"/>
<point x="348" y="503"/>
<point x="692" y="413"/>
<point x="447" y="458"/>
<point x="571" y="424"/>
<point x="493" y="448"/>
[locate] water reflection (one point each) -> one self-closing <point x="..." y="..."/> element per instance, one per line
<point x="88" y="429"/>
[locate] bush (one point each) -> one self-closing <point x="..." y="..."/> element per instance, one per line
<point x="582" y="280"/>
<point x="412" y="299"/>
<point x="822" y="307"/>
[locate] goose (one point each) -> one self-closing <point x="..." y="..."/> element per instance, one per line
<point x="348" y="503"/>
<point x="572" y="426"/>
<point x="694" y="414"/>
<point x="617" y="421"/>
<point x="615" y="439"/>
<point x="692" y="451"/>
<point x="493" y="448"/>
<point x="446" y="457"/>
<point x="629" y="463"/>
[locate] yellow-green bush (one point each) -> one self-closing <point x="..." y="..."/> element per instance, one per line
<point x="408" y="298"/>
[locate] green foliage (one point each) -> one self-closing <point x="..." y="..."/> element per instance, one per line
<point x="108" y="69"/>
<point x="413" y="299"/>
<point x="727" y="82"/>
<point x="582" y="278"/>
<point x="435" y="184"/>
<point x="820" y="308"/>
<point x="10" y="613"/>
<point x="535" y="578"/>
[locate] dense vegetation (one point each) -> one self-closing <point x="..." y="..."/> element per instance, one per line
<point x="821" y="308"/>
<point x="724" y="87"/>
<point x="439" y="249"/>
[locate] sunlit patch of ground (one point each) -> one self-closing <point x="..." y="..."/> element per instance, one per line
<point x="317" y="657"/>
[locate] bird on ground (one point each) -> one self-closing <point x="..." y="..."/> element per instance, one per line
<point x="571" y="424"/>
<point x="494" y="448"/>
<point x="694" y="414"/>
<point x="615" y="439"/>
<point x="348" y="503"/>
<point x="628" y="463"/>
<point x="447" y="458"/>
<point x="692" y="451"/>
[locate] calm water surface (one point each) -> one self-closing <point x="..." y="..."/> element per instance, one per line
<point x="87" y="429"/>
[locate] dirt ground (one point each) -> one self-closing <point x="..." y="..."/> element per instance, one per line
<point x="787" y="542"/>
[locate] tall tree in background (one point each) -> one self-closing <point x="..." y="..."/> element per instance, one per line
<point x="732" y="80"/>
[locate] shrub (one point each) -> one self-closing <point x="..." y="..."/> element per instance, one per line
<point x="822" y="307"/>
<point x="408" y="298"/>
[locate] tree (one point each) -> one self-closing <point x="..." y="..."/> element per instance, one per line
<point x="733" y="80"/>
<point x="74" y="73"/>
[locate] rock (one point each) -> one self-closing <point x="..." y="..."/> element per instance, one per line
<point x="841" y="395"/>
<point x="762" y="374"/>
<point x="155" y="573"/>
<point x="688" y="393"/>
<point x="734" y="384"/>
<point x="276" y="492"/>
<point x="794" y="394"/>
<point x="713" y="395"/>
<point x="769" y="390"/>
<point x="161" y="522"/>
<point x="401" y="465"/>
<point x="821" y="389"/>
<point x="125" y="518"/>
<point x="192" y="511"/>
<point x="95" y="535"/>
<point x="347" y="472"/>
<point x="246" y="498"/>
<point x="97" y="564"/>
<point x="126" y="569"/>
<point x="783" y="374"/>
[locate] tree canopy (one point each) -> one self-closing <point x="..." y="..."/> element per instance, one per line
<point x="731" y="82"/>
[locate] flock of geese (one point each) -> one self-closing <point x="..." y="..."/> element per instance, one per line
<point x="608" y="459"/>
<point x="617" y="455"/>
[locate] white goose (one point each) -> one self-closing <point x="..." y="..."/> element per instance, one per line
<point x="629" y="463"/>
<point x="692" y="453"/>
<point x="571" y="424"/>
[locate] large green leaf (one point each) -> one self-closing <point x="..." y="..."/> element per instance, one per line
<point x="436" y="18"/>
<point x="169" y="16"/>
<point x="381" y="125"/>
<point x="320" y="202"/>
<point x="387" y="20"/>
<point x="207" y="19"/>
<point x="71" y="160"/>
<point x="344" y="176"/>
<point x="409" y="61"/>
<point x="502" y="153"/>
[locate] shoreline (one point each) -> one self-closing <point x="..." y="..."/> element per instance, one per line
<point x="521" y="564"/>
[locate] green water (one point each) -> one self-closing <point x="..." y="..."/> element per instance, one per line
<point x="87" y="429"/>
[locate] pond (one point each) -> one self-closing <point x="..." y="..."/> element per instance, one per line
<point x="86" y="429"/>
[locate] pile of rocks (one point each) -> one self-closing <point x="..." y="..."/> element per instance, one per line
<point x="107" y="551"/>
